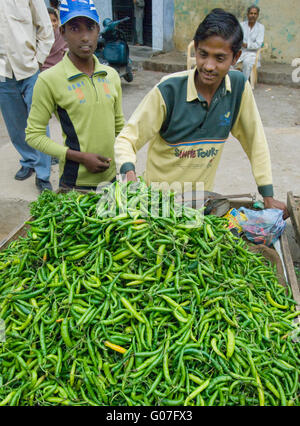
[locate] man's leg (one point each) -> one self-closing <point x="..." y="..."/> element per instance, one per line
<point x="42" y="163"/>
<point x="14" y="112"/>
<point x="248" y="63"/>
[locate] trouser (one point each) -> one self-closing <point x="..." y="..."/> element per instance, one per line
<point x="15" y="103"/>
<point x="139" y="18"/>
<point x="248" y="60"/>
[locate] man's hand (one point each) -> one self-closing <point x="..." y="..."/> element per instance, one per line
<point x="95" y="163"/>
<point x="131" y="176"/>
<point x="271" y="203"/>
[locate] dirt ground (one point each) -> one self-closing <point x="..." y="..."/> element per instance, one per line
<point x="280" y="111"/>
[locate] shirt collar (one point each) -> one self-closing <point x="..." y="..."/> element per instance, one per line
<point x="192" y="93"/>
<point x="73" y="72"/>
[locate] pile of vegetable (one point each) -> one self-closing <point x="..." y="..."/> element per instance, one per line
<point x="106" y="304"/>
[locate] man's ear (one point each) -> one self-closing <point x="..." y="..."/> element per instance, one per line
<point x="62" y="31"/>
<point x="236" y="57"/>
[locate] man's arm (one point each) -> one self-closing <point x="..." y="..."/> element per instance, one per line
<point x="94" y="163"/>
<point x="44" y="30"/>
<point x="143" y="125"/>
<point x="258" y="42"/>
<point x="248" y="129"/>
<point x="119" y="116"/>
<point x="43" y="105"/>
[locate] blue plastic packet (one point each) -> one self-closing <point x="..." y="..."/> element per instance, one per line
<point x="262" y="226"/>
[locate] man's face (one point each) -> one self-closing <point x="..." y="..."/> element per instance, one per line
<point x="81" y="35"/>
<point x="252" y="16"/>
<point x="54" y="21"/>
<point x="214" y="57"/>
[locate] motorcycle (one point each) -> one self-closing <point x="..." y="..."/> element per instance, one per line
<point x="112" y="48"/>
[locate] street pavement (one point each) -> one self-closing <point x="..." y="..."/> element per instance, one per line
<point x="279" y="107"/>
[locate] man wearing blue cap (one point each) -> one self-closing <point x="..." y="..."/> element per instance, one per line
<point x="86" y="98"/>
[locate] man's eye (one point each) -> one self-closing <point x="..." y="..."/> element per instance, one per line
<point x="220" y="58"/>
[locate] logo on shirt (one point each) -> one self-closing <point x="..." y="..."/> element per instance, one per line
<point x="77" y="88"/>
<point x="106" y="88"/>
<point x="225" y="119"/>
<point x="196" y="153"/>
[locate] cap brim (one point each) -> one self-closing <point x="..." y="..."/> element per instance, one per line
<point x="77" y="14"/>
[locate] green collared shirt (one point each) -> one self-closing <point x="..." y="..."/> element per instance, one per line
<point x="90" y="113"/>
<point x="186" y="138"/>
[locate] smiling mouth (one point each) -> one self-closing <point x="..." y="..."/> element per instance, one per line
<point x="208" y="76"/>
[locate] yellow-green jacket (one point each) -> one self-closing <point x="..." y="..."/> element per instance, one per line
<point x="186" y="138"/>
<point x="90" y="113"/>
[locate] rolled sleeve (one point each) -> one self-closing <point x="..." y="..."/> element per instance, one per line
<point x="143" y="125"/>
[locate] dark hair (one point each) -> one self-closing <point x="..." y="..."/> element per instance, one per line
<point x="52" y="11"/>
<point x="223" y="24"/>
<point x="253" y="6"/>
<point x="55" y="3"/>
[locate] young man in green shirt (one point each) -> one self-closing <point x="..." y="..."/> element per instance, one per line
<point x="86" y="98"/>
<point x="189" y="115"/>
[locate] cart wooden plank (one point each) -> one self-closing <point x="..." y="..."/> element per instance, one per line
<point x="289" y="266"/>
<point x="293" y="205"/>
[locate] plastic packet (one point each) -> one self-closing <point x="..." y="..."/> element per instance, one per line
<point x="262" y="226"/>
<point x="234" y="217"/>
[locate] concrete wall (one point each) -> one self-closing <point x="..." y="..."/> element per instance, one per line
<point x="104" y="9"/>
<point x="162" y="24"/>
<point x="281" y="21"/>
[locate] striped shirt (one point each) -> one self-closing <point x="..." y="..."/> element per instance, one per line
<point x="186" y="137"/>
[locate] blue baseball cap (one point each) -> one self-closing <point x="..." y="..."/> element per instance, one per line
<point x="70" y="9"/>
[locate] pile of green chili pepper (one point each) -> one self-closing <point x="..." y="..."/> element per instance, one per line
<point x="136" y="309"/>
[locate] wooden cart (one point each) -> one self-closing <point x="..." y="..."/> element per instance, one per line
<point x="293" y="205"/>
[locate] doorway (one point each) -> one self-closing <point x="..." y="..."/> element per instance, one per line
<point x="123" y="8"/>
<point x="148" y="23"/>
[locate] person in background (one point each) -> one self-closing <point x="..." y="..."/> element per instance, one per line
<point x="55" y="5"/>
<point x="57" y="52"/>
<point x="26" y="38"/>
<point x="188" y="116"/>
<point x="254" y="33"/>
<point x="59" y="46"/>
<point x="86" y="98"/>
<point x="139" y="6"/>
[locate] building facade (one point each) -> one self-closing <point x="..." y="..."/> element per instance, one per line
<point x="281" y="21"/>
<point x="171" y="24"/>
<point x="158" y="20"/>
